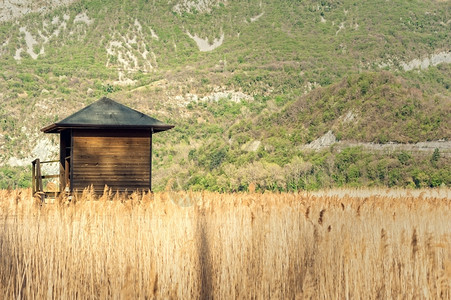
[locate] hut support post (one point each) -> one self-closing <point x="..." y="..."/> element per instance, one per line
<point x="33" y="176"/>
<point x="39" y="185"/>
<point x="66" y="173"/>
<point x="62" y="177"/>
<point x="37" y="176"/>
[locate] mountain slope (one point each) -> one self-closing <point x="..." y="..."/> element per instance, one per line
<point x="245" y="83"/>
<point x="404" y="114"/>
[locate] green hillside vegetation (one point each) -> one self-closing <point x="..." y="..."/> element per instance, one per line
<point x="281" y="163"/>
<point x="307" y="66"/>
<point x="404" y="114"/>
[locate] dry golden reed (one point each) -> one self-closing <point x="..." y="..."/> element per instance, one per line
<point x="338" y="244"/>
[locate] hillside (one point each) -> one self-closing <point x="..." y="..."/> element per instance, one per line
<point x="247" y="84"/>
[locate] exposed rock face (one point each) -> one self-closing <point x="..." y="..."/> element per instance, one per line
<point x="234" y="96"/>
<point x="131" y="52"/>
<point x="204" y="45"/>
<point x="34" y="44"/>
<point x="423" y="63"/>
<point x="44" y="150"/>
<point x="329" y="139"/>
<point x="199" y="6"/>
<point x="11" y="9"/>
<point x="218" y="94"/>
<point x="433" y="60"/>
<point x="325" y="141"/>
<point x="83" y="18"/>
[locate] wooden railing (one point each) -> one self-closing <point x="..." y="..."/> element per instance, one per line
<point x="36" y="177"/>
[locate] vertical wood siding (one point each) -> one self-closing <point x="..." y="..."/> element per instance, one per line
<point x="117" y="158"/>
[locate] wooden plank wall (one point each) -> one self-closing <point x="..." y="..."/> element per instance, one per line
<point x="117" y="158"/>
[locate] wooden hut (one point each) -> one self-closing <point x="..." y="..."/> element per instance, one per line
<point x="105" y="143"/>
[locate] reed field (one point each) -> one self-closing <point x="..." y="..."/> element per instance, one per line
<point x="338" y="244"/>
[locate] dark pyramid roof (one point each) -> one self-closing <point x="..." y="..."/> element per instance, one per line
<point x="106" y="113"/>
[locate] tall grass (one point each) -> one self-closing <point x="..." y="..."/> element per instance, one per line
<point x="300" y="245"/>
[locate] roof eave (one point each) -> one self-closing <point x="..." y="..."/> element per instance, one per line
<point x="56" y="128"/>
<point x="50" y="129"/>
